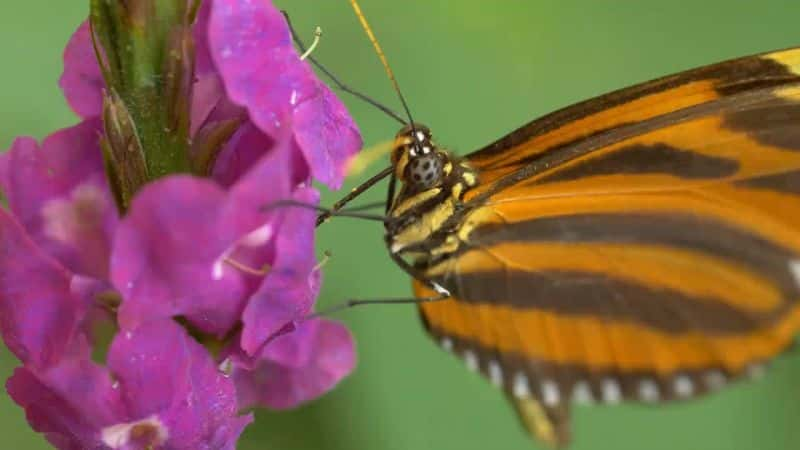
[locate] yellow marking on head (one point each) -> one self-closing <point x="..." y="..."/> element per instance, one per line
<point x="415" y="200"/>
<point x="402" y="140"/>
<point x="400" y="165"/>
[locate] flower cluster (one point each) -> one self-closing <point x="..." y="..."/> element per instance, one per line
<point x="151" y="315"/>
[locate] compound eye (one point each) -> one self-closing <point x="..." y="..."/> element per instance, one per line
<point x="424" y="171"/>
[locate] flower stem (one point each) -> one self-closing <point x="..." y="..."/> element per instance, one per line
<point x="146" y="51"/>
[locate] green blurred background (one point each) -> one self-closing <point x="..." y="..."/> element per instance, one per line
<point x="472" y="70"/>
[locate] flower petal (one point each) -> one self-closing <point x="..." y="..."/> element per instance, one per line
<point x="327" y="135"/>
<point x="157" y="263"/>
<point x="289" y="290"/>
<point x="276" y="385"/>
<point x="162" y="371"/>
<point x="165" y="389"/>
<point x="261" y="181"/>
<point x="247" y="145"/>
<point x="203" y="62"/>
<point x="82" y="80"/>
<point x="59" y="193"/>
<point x="39" y="315"/>
<point x="69" y="403"/>
<point x="253" y="51"/>
<point x="210" y="104"/>
<point x="166" y="247"/>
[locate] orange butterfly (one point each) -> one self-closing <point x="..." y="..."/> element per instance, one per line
<point x="640" y="246"/>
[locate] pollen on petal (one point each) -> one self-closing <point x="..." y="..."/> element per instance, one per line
<point x="145" y="433"/>
<point x="66" y="217"/>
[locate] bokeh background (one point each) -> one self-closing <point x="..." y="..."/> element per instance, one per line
<point x="472" y="70"/>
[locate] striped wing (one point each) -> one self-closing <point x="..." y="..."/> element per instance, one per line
<point x="644" y="245"/>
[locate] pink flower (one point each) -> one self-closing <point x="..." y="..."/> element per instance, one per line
<point x="201" y="250"/>
<point x="161" y="390"/>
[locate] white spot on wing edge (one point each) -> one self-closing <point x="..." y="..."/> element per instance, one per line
<point x="794" y="267"/>
<point x="683" y="386"/>
<point x="582" y="393"/>
<point x="447" y="344"/>
<point x="520" y="388"/>
<point x="610" y="390"/>
<point x="495" y="373"/>
<point x="756" y="371"/>
<point x="551" y="395"/>
<point x="471" y="360"/>
<point x="714" y="379"/>
<point x="648" y="391"/>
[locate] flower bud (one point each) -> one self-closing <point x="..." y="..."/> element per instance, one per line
<point x="146" y="54"/>
<point x="122" y="147"/>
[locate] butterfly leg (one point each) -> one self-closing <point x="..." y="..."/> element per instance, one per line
<point x="355" y="213"/>
<point x="382" y="301"/>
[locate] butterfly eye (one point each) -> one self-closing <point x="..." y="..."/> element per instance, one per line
<point x="424" y="171"/>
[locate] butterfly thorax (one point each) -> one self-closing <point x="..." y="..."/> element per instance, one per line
<point x="433" y="182"/>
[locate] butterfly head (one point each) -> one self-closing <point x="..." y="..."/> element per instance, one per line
<point x="417" y="161"/>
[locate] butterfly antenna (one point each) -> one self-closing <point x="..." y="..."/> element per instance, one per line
<point x="382" y="56"/>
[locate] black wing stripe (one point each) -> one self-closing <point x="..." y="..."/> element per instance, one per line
<point x="589" y="294"/>
<point x="649" y="159"/>
<point x="775" y="123"/>
<point x="766" y="258"/>
<point x="787" y="182"/>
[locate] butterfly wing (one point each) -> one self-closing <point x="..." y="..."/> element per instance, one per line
<point x="644" y="245"/>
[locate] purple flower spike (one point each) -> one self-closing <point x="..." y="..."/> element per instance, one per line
<point x="82" y="82"/>
<point x="170" y="260"/>
<point x="253" y="51"/>
<point x="298" y="366"/>
<point x="164" y="391"/>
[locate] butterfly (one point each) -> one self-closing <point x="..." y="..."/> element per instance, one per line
<point x="641" y="246"/>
